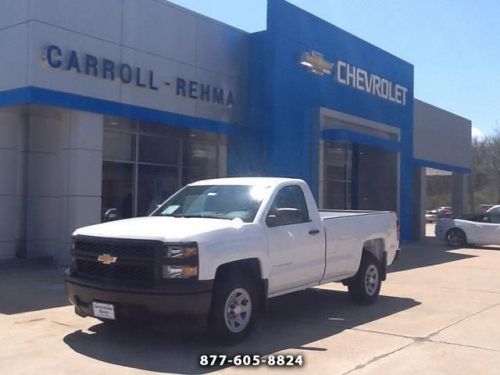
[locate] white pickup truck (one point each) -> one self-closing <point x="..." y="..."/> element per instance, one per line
<point x="221" y="248"/>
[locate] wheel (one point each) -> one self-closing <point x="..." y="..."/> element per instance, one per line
<point x="364" y="287"/>
<point x="456" y="238"/>
<point x="234" y="307"/>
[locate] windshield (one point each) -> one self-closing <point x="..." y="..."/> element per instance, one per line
<point x="214" y="201"/>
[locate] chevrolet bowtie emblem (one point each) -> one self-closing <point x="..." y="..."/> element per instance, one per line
<point x="106" y="259"/>
<point x="316" y="63"/>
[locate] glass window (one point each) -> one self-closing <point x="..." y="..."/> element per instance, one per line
<point x="348" y="162"/>
<point x="214" y="201"/>
<point x="156" y="183"/>
<point x="117" y="190"/>
<point x="335" y="172"/>
<point x="119" y="124"/>
<point x="201" y="136"/>
<point x="377" y="176"/>
<point x="195" y="174"/>
<point x="160" y="130"/>
<point x="145" y="163"/>
<point x="335" y="194"/>
<point x="158" y="150"/>
<point x="338" y="175"/>
<point x="119" y="146"/>
<point x="200" y="150"/>
<point x="289" y="207"/>
<point x="348" y="195"/>
<point x="200" y="156"/>
<point x="494" y="217"/>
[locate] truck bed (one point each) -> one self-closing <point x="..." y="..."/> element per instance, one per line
<point x="347" y="233"/>
<point x="336" y="214"/>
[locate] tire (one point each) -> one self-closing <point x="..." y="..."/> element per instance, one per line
<point x="456" y="238"/>
<point x="364" y="287"/>
<point x="234" y="308"/>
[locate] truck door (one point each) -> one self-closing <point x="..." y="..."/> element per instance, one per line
<point x="296" y="242"/>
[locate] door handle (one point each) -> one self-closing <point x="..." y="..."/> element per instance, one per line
<point x="312" y="232"/>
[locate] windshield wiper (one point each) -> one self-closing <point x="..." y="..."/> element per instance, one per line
<point x="202" y="216"/>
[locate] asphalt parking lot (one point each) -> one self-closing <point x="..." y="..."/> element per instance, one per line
<point x="438" y="314"/>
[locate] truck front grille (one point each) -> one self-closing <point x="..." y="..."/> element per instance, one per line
<point x="115" y="271"/>
<point x="135" y="259"/>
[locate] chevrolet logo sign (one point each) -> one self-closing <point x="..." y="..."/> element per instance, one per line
<point x="106" y="259"/>
<point x="316" y="63"/>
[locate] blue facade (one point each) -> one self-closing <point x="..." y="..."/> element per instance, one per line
<point x="285" y="97"/>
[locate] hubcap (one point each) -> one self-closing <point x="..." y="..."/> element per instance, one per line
<point x="238" y="310"/>
<point x="371" y="280"/>
<point x="454" y="238"/>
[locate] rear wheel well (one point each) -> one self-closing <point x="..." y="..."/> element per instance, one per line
<point x="376" y="248"/>
<point x="249" y="268"/>
<point x="456" y="229"/>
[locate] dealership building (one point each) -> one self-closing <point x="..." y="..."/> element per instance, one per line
<point x="108" y="107"/>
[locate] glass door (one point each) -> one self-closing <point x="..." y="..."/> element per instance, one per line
<point x="337" y="175"/>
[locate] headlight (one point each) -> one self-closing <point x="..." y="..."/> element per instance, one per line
<point x="180" y="261"/>
<point x="180" y="251"/>
<point x="179" y="272"/>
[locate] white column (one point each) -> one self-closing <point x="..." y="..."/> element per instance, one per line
<point x="50" y="179"/>
<point x="44" y="182"/>
<point x="12" y="153"/>
<point x="81" y="163"/>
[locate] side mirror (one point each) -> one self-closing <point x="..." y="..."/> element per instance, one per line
<point x="273" y="218"/>
<point x="111" y="214"/>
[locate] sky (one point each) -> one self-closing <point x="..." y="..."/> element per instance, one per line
<point x="454" y="45"/>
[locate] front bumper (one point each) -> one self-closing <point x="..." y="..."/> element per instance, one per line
<point x="193" y="298"/>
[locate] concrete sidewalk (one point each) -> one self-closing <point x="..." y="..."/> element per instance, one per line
<point x="438" y="314"/>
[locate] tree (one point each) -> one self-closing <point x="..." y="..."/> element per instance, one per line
<point x="494" y="159"/>
<point x="478" y="177"/>
<point x="484" y="180"/>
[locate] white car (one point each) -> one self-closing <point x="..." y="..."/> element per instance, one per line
<point x="481" y="229"/>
